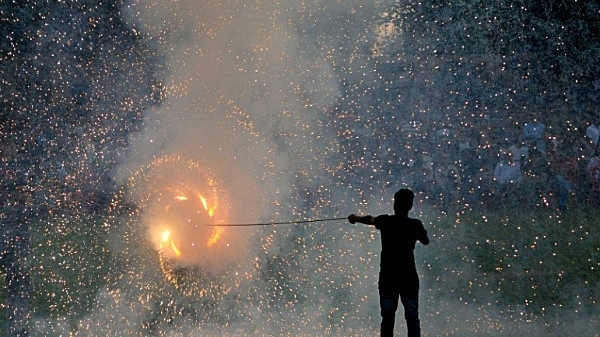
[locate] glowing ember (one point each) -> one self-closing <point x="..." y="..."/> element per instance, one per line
<point x="166" y="238"/>
<point x="216" y="234"/>
<point x="209" y="210"/>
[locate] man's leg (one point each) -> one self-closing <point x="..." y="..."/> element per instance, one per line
<point x="410" y="301"/>
<point x="388" y="301"/>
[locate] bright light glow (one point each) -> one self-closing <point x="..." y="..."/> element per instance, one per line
<point x="166" y="238"/>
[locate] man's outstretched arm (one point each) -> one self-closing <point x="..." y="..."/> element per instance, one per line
<point x="366" y="219"/>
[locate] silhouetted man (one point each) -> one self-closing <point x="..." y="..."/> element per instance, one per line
<point x="398" y="278"/>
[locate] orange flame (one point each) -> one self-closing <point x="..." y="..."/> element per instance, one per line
<point x="203" y="201"/>
<point x="209" y="210"/>
<point x="216" y="234"/>
<point x="166" y="238"/>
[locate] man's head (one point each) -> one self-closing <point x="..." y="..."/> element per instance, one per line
<point x="403" y="201"/>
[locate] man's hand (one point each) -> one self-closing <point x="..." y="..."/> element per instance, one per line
<point x="366" y="219"/>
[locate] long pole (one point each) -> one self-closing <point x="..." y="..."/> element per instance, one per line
<point x="274" y="223"/>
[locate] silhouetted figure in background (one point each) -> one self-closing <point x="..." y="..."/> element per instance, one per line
<point x="564" y="166"/>
<point x="398" y="278"/>
<point x="534" y="133"/>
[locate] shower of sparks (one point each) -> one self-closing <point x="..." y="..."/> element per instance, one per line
<point x="191" y="281"/>
<point x="177" y="199"/>
<point x="325" y="108"/>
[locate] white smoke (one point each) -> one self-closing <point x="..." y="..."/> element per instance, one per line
<point x="245" y="92"/>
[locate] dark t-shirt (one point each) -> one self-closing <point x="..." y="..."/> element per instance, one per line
<point x="398" y="238"/>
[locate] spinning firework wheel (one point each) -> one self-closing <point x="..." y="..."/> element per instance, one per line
<point x="182" y="205"/>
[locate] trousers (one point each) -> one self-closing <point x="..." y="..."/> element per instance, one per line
<point x="388" y="301"/>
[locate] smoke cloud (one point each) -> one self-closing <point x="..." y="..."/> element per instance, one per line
<point x="245" y="92"/>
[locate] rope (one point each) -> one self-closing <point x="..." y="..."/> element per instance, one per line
<point x="274" y="223"/>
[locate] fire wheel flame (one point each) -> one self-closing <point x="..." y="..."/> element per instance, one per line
<point x="166" y="239"/>
<point x="182" y="205"/>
